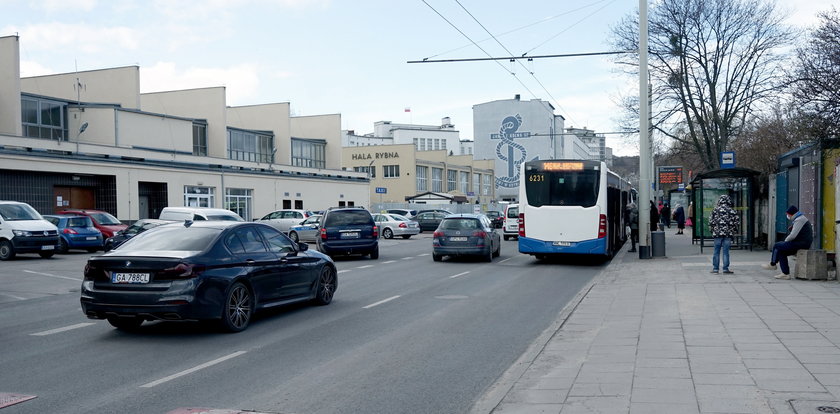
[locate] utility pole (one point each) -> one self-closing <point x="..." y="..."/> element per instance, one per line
<point x="644" y="136"/>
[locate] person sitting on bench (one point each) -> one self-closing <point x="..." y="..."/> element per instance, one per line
<point x="800" y="236"/>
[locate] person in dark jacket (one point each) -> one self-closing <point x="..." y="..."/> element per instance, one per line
<point x="665" y="215"/>
<point x="633" y="222"/>
<point x="679" y="217"/>
<point x="800" y="236"/>
<point x="723" y="222"/>
<point x="654" y="217"/>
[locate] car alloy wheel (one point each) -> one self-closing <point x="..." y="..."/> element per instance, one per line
<point x="387" y="233"/>
<point x="238" y="307"/>
<point x="326" y="286"/>
<point x="294" y="236"/>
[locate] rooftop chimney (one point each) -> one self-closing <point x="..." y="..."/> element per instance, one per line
<point x="516" y="97"/>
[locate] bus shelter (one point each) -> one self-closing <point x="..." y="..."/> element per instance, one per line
<point x="740" y="185"/>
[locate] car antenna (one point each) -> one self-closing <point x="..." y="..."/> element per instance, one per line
<point x="188" y="223"/>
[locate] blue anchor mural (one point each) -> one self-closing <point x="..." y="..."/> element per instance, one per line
<point x="507" y="134"/>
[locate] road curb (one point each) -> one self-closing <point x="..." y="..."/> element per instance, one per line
<point x="496" y="392"/>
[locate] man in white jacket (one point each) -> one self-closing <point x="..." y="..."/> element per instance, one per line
<point x="800" y="236"/>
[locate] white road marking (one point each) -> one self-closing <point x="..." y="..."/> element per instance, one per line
<point x="66" y="328"/>
<point x="380" y="302"/>
<point x="407" y="258"/>
<point x="502" y="261"/>
<point x="193" y="369"/>
<point x="389" y="261"/>
<point x="458" y="275"/>
<point x="51" y="275"/>
<point x="13" y="296"/>
<point x="364" y="267"/>
<point x="424" y="254"/>
<point x="343" y="271"/>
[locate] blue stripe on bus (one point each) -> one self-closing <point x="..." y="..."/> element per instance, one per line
<point x="534" y="246"/>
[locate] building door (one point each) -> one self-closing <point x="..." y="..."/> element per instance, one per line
<point x="73" y="197"/>
<point x="143" y="205"/>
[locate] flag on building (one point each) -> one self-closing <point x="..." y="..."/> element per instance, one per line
<point x="407" y="109"/>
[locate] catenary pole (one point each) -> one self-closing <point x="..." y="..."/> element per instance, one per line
<point x="644" y="136"/>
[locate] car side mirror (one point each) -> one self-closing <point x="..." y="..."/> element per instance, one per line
<point x="303" y="246"/>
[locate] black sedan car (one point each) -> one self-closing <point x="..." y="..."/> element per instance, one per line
<point x="429" y="220"/>
<point x="205" y="270"/>
<point x="466" y="235"/>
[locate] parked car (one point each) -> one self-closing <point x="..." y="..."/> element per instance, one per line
<point x="391" y="225"/>
<point x="198" y="214"/>
<point x="466" y="235"/>
<point x="349" y="230"/>
<point x="511" y="227"/>
<point x="429" y="220"/>
<point x="409" y="214"/>
<point x="102" y="220"/>
<point x="205" y="270"/>
<point x="283" y="220"/>
<point x="307" y="231"/>
<point x="138" y="227"/>
<point x="497" y="218"/>
<point x="23" y="230"/>
<point x="76" y="232"/>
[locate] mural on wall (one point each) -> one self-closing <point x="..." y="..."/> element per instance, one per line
<point x="509" y="151"/>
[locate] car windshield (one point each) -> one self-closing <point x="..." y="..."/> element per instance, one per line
<point x="79" y="222"/>
<point x="397" y="217"/>
<point x="459" y="224"/>
<point x="17" y="212"/>
<point x="105" y="219"/>
<point x="224" y="217"/>
<point x="348" y="218"/>
<point x="173" y="238"/>
<point x="513" y="212"/>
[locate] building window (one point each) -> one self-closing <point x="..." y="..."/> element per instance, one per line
<point x="443" y="144"/>
<point x="196" y="196"/>
<point x="391" y="171"/>
<point x="437" y="180"/>
<point x="238" y="200"/>
<point x="370" y="170"/>
<point x="250" y="146"/>
<point x="417" y="143"/>
<point x="422" y="183"/>
<point x="43" y="118"/>
<point x="476" y="184"/>
<point x="464" y="181"/>
<point x="310" y="153"/>
<point x="451" y="176"/>
<point x="485" y="187"/>
<point x="200" y="139"/>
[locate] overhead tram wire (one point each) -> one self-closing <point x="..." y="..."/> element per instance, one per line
<point x="520" y="28"/>
<point x="480" y="48"/>
<point x="568" y="28"/>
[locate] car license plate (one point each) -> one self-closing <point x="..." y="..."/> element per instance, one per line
<point x="458" y="239"/>
<point x="354" y="235"/>
<point x="90" y="238"/>
<point x="130" y="278"/>
<point x="48" y="247"/>
<point x="562" y="243"/>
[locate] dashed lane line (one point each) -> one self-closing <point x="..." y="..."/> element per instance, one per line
<point x="12" y="296"/>
<point x="389" y="261"/>
<point x="458" y="275"/>
<point x="364" y="267"/>
<point x="52" y="275"/>
<point x="64" y="329"/>
<point x="424" y="254"/>
<point x="380" y="302"/>
<point x="408" y="258"/>
<point x="193" y="369"/>
<point x="343" y="271"/>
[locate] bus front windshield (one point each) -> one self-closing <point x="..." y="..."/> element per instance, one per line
<point x="562" y="188"/>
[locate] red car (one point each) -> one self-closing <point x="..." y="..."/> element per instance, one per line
<point x="104" y="222"/>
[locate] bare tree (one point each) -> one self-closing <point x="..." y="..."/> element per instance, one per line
<point x="711" y="62"/>
<point x="816" y="80"/>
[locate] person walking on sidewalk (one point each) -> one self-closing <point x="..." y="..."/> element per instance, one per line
<point x="633" y="222"/>
<point x="723" y="222"/>
<point x="679" y="217"/>
<point x="665" y="215"/>
<point x="654" y="217"/>
<point x="800" y="236"/>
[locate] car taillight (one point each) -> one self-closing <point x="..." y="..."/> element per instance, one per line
<point x="181" y="271"/>
<point x="437" y="234"/>
<point x="323" y="233"/>
<point x="479" y="233"/>
<point x="402" y="225"/>
<point x="70" y="231"/>
<point x="521" y="222"/>
<point x="602" y="227"/>
<point x="375" y="232"/>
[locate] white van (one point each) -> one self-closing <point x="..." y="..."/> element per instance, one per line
<point x="511" y="228"/>
<point x="198" y="213"/>
<point x="23" y="230"/>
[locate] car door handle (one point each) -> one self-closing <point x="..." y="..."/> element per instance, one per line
<point x="250" y="262"/>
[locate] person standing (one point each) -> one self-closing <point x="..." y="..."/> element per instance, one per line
<point x="665" y="214"/>
<point x="723" y="223"/>
<point x="679" y="217"/>
<point x="800" y="236"/>
<point x="633" y="222"/>
<point x="690" y="221"/>
<point x="654" y="217"/>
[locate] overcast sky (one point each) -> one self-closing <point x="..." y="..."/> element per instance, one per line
<point x="349" y="56"/>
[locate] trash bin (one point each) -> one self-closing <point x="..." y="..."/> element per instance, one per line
<point x="657" y="243"/>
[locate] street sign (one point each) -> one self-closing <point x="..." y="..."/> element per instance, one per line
<point x="681" y="187"/>
<point x="381" y="190"/>
<point x="727" y="159"/>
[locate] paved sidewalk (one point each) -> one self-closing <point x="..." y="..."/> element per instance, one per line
<point x="666" y="336"/>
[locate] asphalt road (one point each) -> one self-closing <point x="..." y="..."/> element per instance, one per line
<point x="403" y="335"/>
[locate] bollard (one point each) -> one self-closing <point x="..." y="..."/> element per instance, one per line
<point x="657" y="243"/>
